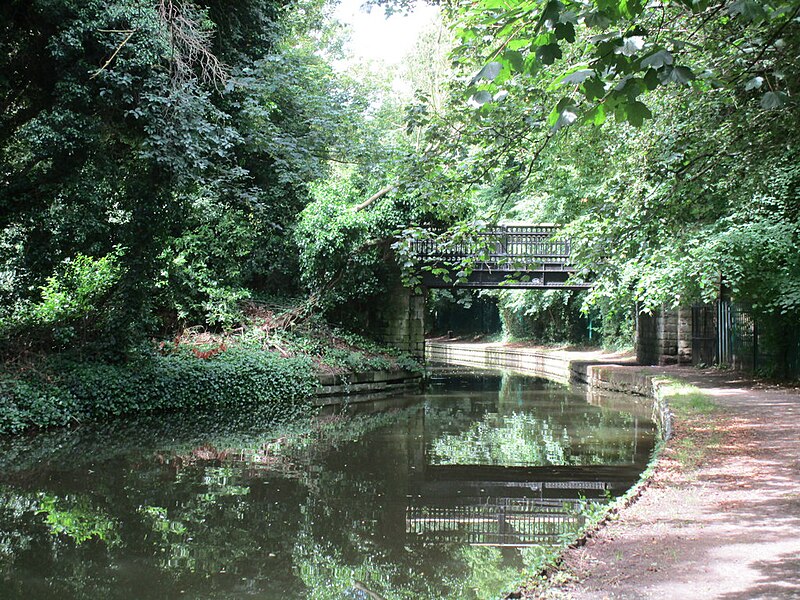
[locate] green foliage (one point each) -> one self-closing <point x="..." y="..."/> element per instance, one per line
<point x="600" y="58"/>
<point x="553" y="316"/>
<point x="232" y="379"/>
<point x="272" y="371"/>
<point x="345" y="255"/>
<point x="342" y="350"/>
<point x="196" y="188"/>
<point x="689" y="188"/>
<point x="33" y="402"/>
<point x="196" y="172"/>
<point x="76" y="292"/>
<point x="340" y="358"/>
<point x="70" y="305"/>
<point x="66" y="390"/>
<point x="205" y="270"/>
<point x="688" y="400"/>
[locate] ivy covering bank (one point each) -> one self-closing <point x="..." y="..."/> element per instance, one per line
<point x="65" y="391"/>
<point x="268" y="367"/>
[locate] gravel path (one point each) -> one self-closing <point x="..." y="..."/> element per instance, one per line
<point x="721" y="517"/>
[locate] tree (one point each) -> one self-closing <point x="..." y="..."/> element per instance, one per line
<point x="687" y="187"/>
<point x="178" y="137"/>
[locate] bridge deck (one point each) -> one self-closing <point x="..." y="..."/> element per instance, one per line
<point x="515" y="256"/>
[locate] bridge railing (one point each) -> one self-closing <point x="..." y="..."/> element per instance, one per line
<point x="502" y="247"/>
<point x="494" y="521"/>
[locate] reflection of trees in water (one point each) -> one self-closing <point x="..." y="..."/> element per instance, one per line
<point x="213" y="518"/>
<point x="195" y="532"/>
<point x="516" y="439"/>
<point x="225" y="508"/>
<point x="434" y="572"/>
<point x="175" y="433"/>
<point x="332" y="575"/>
<point x="534" y="423"/>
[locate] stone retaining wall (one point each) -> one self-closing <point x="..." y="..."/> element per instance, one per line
<point x="400" y="322"/>
<point x="334" y="388"/>
<point x="664" y="337"/>
<point x="544" y="364"/>
<point x="560" y="366"/>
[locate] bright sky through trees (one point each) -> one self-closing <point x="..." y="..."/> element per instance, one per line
<point x="376" y="37"/>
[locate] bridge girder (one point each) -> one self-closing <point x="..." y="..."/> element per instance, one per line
<point x="526" y="280"/>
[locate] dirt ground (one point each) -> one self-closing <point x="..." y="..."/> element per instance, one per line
<point x="721" y="516"/>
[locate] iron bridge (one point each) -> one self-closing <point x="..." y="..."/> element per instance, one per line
<point x="505" y="256"/>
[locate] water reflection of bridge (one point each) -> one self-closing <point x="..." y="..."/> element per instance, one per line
<point x="507" y="506"/>
<point x="463" y="498"/>
<point x="494" y="522"/>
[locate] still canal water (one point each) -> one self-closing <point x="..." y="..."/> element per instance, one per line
<point x="446" y="494"/>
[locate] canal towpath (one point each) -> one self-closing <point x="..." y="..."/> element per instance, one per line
<point x="720" y="516"/>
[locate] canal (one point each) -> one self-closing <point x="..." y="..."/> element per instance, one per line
<point x="451" y="493"/>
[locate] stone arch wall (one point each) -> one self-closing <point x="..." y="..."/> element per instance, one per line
<point x="400" y="321"/>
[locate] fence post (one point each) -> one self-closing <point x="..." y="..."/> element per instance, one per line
<point x="755" y="343"/>
<point x="723" y="333"/>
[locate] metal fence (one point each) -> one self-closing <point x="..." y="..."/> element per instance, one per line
<point x="735" y="335"/>
<point x="704" y="334"/>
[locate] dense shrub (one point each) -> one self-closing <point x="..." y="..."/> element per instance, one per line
<point x="552" y="316"/>
<point x="66" y="390"/>
<point x="70" y="305"/>
<point x="34" y="403"/>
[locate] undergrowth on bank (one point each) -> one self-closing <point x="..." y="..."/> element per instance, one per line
<point x="62" y="390"/>
<point x="693" y="402"/>
<point x="684" y="398"/>
<point x="695" y="410"/>
<point x="269" y="363"/>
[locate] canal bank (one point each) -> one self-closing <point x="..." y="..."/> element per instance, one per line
<point x="719" y="514"/>
<point x="335" y="389"/>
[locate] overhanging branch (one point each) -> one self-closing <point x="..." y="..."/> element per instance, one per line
<point x="377" y="196"/>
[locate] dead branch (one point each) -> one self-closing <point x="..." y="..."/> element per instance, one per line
<point x="378" y="195"/>
<point x="191" y="45"/>
<point x="121" y="45"/>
